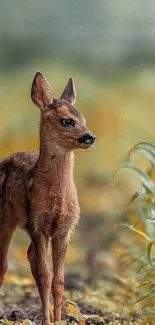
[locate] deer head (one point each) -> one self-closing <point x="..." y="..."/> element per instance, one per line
<point x="62" y="124"/>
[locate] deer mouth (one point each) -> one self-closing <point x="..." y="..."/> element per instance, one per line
<point x="87" y="140"/>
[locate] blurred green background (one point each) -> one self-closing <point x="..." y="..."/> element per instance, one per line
<point x="108" y="47"/>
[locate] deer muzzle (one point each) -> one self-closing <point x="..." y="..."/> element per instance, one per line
<point x="87" y="140"/>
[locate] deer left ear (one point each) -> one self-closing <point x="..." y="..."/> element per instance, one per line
<point x="69" y="92"/>
<point x="41" y="91"/>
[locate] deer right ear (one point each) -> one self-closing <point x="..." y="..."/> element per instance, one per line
<point x="69" y="92"/>
<point x="41" y="91"/>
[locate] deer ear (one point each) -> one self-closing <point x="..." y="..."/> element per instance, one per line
<point x="41" y="91"/>
<point x="69" y="92"/>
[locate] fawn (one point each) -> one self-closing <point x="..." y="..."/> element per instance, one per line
<point x="37" y="191"/>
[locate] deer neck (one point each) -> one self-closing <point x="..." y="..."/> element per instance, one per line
<point x="55" y="167"/>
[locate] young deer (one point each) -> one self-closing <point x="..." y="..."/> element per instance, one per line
<point x="38" y="194"/>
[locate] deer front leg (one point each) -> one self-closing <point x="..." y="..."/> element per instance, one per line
<point x="59" y="249"/>
<point x="37" y="256"/>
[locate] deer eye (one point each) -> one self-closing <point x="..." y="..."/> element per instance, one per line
<point x="67" y="122"/>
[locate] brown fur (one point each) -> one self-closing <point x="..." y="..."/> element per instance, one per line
<point x="37" y="192"/>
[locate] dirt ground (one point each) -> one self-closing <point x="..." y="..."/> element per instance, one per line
<point x="20" y="304"/>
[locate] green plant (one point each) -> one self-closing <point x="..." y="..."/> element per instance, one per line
<point x="142" y="205"/>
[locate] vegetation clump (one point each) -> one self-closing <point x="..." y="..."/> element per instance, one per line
<point x="141" y="216"/>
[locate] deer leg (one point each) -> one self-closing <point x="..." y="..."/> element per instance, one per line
<point x="6" y="233"/>
<point x="59" y="249"/>
<point x="37" y="256"/>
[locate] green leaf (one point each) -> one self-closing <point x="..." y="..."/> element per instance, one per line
<point x="149" y="249"/>
<point x="144" y="178"/>
<point x="144" y="145"/>
<point x="140" y="232"/>
<point x="141" y="299"/>
<point x="148" y="275"/>
<point x="146" y="149"/>
<point x="142" y="268"/>
<point x="141" y="191"/>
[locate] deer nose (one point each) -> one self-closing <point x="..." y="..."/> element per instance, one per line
<point x="87" y="139"/>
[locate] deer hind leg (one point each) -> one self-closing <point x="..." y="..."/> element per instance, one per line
<point x="59" y="249"/>
<point x="6" y="232"/>
<point x="37" y="256"/>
